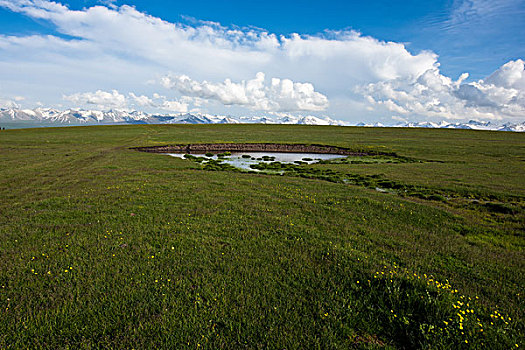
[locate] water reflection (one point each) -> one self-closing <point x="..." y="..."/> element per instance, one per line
<point x="243" y="160"/>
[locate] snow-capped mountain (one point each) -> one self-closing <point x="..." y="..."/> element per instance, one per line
<point x="49" y="116"/>
<point x="70" y="116"/>
<point x="471" y="125"/>
<point x="89" y="117"/>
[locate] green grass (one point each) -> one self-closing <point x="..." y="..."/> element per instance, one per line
<point x="106" y="247"/>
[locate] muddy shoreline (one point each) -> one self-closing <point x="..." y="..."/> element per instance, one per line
<point x="201" y="148"/>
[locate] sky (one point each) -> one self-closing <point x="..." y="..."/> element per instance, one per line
<point x="354" y="61"/>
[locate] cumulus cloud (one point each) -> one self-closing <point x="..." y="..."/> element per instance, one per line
<point x="101" y="45"/>
<point x="9" y="103"/>
<point x="101" y="99"/>
<point x="114" y="99"/>
<point x="510" y="76"/>
<point x="399" y="119"/>
<point x="501" y="95"/>
<point x="163" y="103"/>
<point x="142" y="100"/>
<point x="279" y="95"/>
<point x="174" y="106"/>
<point x="133" y="41"/>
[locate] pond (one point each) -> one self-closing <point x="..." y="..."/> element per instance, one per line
<point x="243" y="160"/>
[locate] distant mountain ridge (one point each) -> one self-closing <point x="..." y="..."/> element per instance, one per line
<point x="89" y="117"/>
<point x="49" y="116"/>
<point x="471" y="125"/>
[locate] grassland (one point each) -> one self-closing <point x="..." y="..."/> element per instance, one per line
<point x="106" y="247"/>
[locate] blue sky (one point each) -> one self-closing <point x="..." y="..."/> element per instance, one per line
<point x="349" y="60"/>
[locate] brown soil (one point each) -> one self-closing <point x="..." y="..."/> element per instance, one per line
<point x="202" y="148"/>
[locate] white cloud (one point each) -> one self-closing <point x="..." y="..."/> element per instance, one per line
<point x="107" y="100"/>
<point x="102" y="45"/>
<point x="279" y="95"/>
<point x="109" y="43"/>
<point x="142" y="100"/>
<point x="174" y="106"/>
<point x="109" y="3"/>
<point x="8" y="103"/>
<point x="101" y="99"/>
<point x="399" y="119"/>
<point x="510" y="76"/>
<point x="479" y="13"/>
<point x="501" y="95"/>
<point x="13" y="102"/>
<point x="163" y="103"/>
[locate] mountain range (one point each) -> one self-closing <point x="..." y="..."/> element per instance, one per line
<point x="471" y="124"/>
<point x="54" y="117"/>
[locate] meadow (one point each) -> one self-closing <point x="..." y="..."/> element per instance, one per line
<point x="418" y="246"/>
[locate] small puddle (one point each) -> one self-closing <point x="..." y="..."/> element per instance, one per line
<point x="243" y="160"/>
